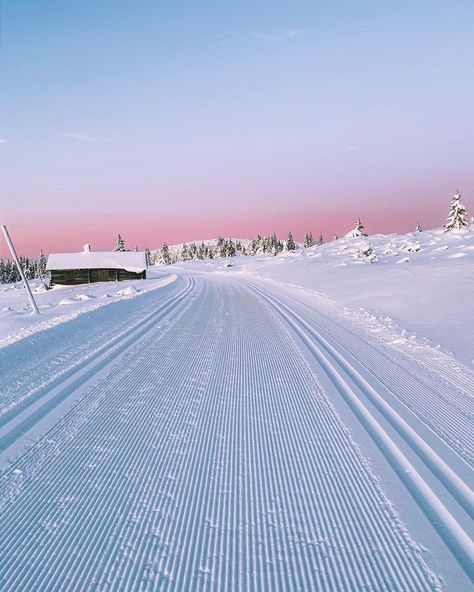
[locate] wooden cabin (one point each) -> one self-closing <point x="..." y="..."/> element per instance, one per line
<point x="96" y="266"/>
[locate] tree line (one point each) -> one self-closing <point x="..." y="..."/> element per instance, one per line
<point x="223" y="248"/>
<point x="33" y="269"/>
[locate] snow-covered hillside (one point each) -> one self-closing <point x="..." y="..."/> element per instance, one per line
<point x="414" y="284"/>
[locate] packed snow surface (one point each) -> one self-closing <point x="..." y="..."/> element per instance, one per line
<point x="281" y="424"/>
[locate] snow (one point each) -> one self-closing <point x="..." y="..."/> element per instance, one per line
<point x="427" y="292"/>
<point x="63" y="303"/>
<point x="299" y="422"/>
<point x="133" y="261"/>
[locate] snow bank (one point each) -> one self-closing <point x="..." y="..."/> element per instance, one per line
<point x="63" y="303"/>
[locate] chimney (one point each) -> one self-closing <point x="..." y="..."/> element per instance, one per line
<point x="87" y="249"/>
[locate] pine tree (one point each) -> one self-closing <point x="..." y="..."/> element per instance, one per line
<point x="230" y="250"/>
<point x="290" y="243"/>
<point x="41" y="266"/>
<point x="184" y="253"/>
<point x="308" y="240"/>
<point x="320" y="239"/>
<point x="193" y="251"/>
<point x="457" y="218"/>
<point x="359" y="229"/>
<point x="164" y="258"/>
<point x="201" y="250"/>
<point x="120" y="244"/>
<point x="418" y="227"/>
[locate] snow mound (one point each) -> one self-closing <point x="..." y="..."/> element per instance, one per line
<point x="127" y="291"/>
<point x="67" y="301"/>
<point x="40" y="288"/>
<point x="85" y="296"/>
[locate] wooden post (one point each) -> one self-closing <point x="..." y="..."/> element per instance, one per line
<point x="20" y="269"/>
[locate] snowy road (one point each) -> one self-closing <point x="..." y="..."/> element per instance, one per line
<point x="229" y="437"/>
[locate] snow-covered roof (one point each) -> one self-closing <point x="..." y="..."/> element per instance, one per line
<point x="134" y="261"/>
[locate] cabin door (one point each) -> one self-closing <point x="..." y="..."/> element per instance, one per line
<point x="103" y="275"/>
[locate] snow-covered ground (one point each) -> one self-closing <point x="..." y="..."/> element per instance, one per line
<point x="63" y="303"/>
<point x="419" y="288"/>
<point x="302" y="422"/>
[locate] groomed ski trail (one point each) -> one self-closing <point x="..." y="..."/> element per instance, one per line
<point x="208" y="459"/>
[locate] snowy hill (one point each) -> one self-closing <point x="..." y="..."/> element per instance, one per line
<point x="420" y="282"/>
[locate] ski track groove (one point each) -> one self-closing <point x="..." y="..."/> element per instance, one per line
<point x="18" y="388"/>
<point x="77" y="377"/>
<point x="215" y="462"/>
<point x="443" y="521"/>
<point x="445" y="407"/>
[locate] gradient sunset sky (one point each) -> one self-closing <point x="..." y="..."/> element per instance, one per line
<point x="177" y="121"/>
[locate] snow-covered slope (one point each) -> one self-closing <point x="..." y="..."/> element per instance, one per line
<point x="419" y="284"/>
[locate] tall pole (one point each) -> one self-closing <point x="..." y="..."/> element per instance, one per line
<point x="20" y="269"/>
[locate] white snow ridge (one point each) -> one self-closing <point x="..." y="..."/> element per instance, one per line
<point x="297" y="422"/>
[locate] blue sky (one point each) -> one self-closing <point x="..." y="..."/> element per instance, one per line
<point x="177" y="121"/>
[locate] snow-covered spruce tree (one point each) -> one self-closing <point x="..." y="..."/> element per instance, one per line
<point x="308" y="240"/>
<point x="320" y="239"/>
<point x="28" y="267"/>
<point x="184" y="254"/>
<point x="276" y="246"/>
<point x="457" y="217"/>
<point x="41" y="266"/>
<point x="230" y="250"/>
<point x="11" y="272"/>
<point x="164" y="256"/>
<point x="334" y="237"/>
<point x="201" y="251"/>
<point x="418" y="227"/>
<point x="358" y="230"/>
<point x="290" y="242"/>
<point x="193" y="251"/>
<point x="120" y="244"/>
<point x="255" y="245"/>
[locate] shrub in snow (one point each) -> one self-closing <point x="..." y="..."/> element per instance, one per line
<point x="457" y="218"/>
<point x="366" y="253"/>
<point x="67" y="301"/>
<point x="41" y="288"/>
<point x="411" y="247"/>
<point x="418" y="227"/>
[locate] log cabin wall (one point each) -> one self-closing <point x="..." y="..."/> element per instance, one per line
<point x="87" y="276"/>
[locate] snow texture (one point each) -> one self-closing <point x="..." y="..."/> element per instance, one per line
<point x="133" y="261"/>
<point x="235" y="429"/>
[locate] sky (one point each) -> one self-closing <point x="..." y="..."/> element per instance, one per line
<point x="177" y="121"/>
